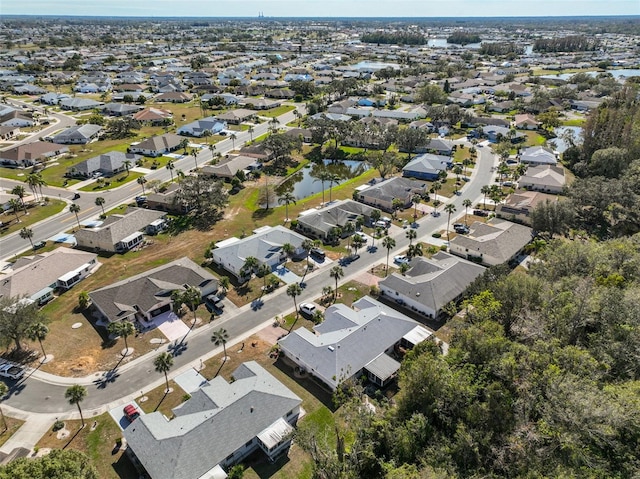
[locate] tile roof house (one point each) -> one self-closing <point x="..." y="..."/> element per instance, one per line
<point x="146" y="295"/>
<point x="157" y="145"/>
<point x="519" y="204"/>
<point x="545" y="178"/>
<point x="108" y="164"/>
<point x="217" y="427"/>
<point x="538" y="155"/>
<point x="118" y="233"/>
<point x="153" y="116"/>
<point x="382" y="194"/>
<point x="265" y="245"/>
<point x="431" y="283"/>
<point x="38" y="276"/>
<point x="494" y="242"/>
<point x="320" y="223"/>
<point x="77" y="135"/>
<point x="351" y="342"/>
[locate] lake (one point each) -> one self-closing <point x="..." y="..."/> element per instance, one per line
<point x="304" y="183"/>
<point x="620" y="73"/>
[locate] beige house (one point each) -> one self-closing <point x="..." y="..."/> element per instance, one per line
<point x="518" y="205"/>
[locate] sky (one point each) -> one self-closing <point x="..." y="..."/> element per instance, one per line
<point x="321" y="8"/>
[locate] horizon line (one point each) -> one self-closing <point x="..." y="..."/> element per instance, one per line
<point x="592" y="16"/>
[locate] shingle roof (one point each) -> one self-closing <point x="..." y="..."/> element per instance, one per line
<point x="496" y="238"/>
<point x="218" y="420"/>
<point x="396" y="187"/>
<point x="82" y="132"/>
<point x="107" y="162"/>
<point x="335" y="215"/>
<point x="544" y="175"/>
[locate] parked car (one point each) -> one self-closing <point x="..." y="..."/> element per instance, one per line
<point x="214" y="303"/>
<point x="401" y="259"/>
<point x="39" y="244"/>
<point x="131" y="412"/>
<point x="461" y="229"/>
<point x="317" y="252"/>
<point x="76" y="196"/>
<point x="362" y="235"/>
<point x="11" y="370"/>
<point x="308" y="309"/>
<point x="480" y="213"/>
<point x="381" y="224"/>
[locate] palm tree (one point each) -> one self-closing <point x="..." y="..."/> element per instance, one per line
<point x="273" y="124"/>
<point x="163" y="364"/>
<point x="307" y="245"/>
<point x="322" y="176"/>
<point x="333" y="178"/>
<point x="75" y="209"/>
<point x="288" y="249"/>
<point x="75" y="395"/>
<point x="38" y="332"/>
<point x="27" y="233"/>
<point x="485" y="190"/>
<point x="287" y="199"/>
<point x="411" y="235"/>
<point x="184" y="144"/>
<point x="206" y="134"/>
<point x="348" y="228"/>
<point x="414" y="250"/>
<point x="100" y="201"/>
<point x="376" y="215"/>
<point x="233" y="137"/>
<point x="194" y="153"/>
<point x="294" y="290"/>
<point x="437" y="186"/>
<point x="336" y="273"/>
<point x="192" y="297"/>
<point x="264" y="270"/>
<point x="221" y="337"/>
<point x="14" y="204"/>
<point x="416" y="199"/>
<point x="249" y="266"/>
<point x="450" y="208"/>
<point x="389" y="243"/>
<point x="466" y="203"/>
<point x="224" y="283"/>
<point x="212" y="149"/>
<point x="251" y="130"/>
<point x="122" y="328"/>
<point x="141" y="181"/>
<point x="4" y="389"/>
<point x="170" y="166"/>
<point x="19" y="191"/>
<point x="127" y="164"/>
<point x="35" y="181"/>
<point x="298" y="115"/>
<point x="356" y="243"/>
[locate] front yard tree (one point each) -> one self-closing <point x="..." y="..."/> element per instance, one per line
<point x="75" y="395"/>
<point x="449" y="209"/>
<point x="220" y="337"/>
<point x="411" y="234"/>
<point x="38" y="332"/>
<point x="75" y="209"/>
<point x="170" y="166"/>
<point x="83" y="300"/>
<point x="100" y="201"/>
<point x="27" y="233"/>
<point x="163" y="364"/>
<point x="124" y="329"/>
<point x="294" y="290"/>
<point x="264" y="270"/>
<point x="466" y="203"/>
<point x="20" y="192"/>
<point x="409" y="139"/>
<point x="16" y="317"/>
<point x="307" y="245"/>
<point x="225" y="282"/>
<point x="58" y="463"/>
<point x="357" y="242"/>
<point x="14" y="204"/>
<point x="416" y="199"/>
<point x="141" y="181"/>
<point x="127" y="165"/>
<point x="202" y="197"/>
<point x="336" y="273"/>
<point x="250" y="265"/>
<point x="389" y="243"/>
<point x="192" y="297"/>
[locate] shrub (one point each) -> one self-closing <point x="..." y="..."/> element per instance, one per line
<point x="58" y="425"/>
<point x="436" y="235"/>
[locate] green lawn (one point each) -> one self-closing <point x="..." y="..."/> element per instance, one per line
<point x="36" y="214"/>
<point x="113" y="182"/>
<point x="280" y="110"/>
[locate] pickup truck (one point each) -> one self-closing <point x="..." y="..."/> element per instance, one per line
<point x="11" y="370"/>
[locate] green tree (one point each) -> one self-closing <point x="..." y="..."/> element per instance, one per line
<point x="100" y="201"/>
<point x="16" y="317"/>
<point x="411" y="234"/>
<point x="449" y="209"/>
<point x="58" y="464"/>
<point x="294" y="290"/>
<point x="27" y="233"/>
<point x="337" y="273"/>
<point x="287" y="198"/>
<point x="75" y="395"/>
<point x="307" y="245"/>
<point x="225" y="283"/>
<point x="264" y="270"/>
<point x="170" y="166"/>
<point x="83" y="300"/>
<point x="389" y="243"/>
<point x="75" y="209"/>
<point x="141" y="181"/>
<point x="192" y="297"/>
<point x="220" y="337"/>
<point x="38" y="332"/>
<point x="124" y="329"/>
<point x="15" y="206"/>
<point x="127" y="165"/>
<point x="250" y="265"/>
<point x="163" y="363"/>
<point x="466" y="203"/>
<point x="20" y="192"/>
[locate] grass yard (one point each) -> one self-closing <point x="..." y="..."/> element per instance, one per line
<point x="352" y="291"/>
<point x="113" y="182"/>
<point x="13" y="425"/>
<point x="35" y="214"/>
<point x="280" y="110"/>
<point x="100" y="444"/>
<point x="159" y="400"/>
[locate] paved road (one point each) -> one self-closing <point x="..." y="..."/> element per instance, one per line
<point x="13" y="244"/>
<point x="43" y="394"/>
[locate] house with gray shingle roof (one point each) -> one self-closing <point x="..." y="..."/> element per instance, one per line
<point x="108" y="164"/>
<point x="118" y="233"/>
<point x="427" y="166"/>
<point x="265" y="245"/>
<point x="78" y="104"/>
<point x="199" y="127"/>
<point x="320" y="223"/>
<point x="228" y="167"/>
<point x="157" y="145"/>
<point x="37" y="277"/>
<point x="77" y="135"/>
<point x="220" y="425"/>
<point x="545" y="178"/>
<point x="382" y="194"/>
<point x="351" y="342"/>
<point x="431" y="283"/>
<point x="146" y="295"/>
<point x="494" y="242"/>
<point x="538" y="155"/>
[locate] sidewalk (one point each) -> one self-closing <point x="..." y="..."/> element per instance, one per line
<point x="35" y="426"/>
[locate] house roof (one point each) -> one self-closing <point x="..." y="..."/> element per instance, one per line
<point x="336" y="214"/>
<point x="544" y="175"/>
<point x="235" y="115"/>
<point x="79" y="132"/>
<point x="31" y="151"/>
<point x="160" y="143"/>
<point x="31" y="274"/>
<point x="496" y="238"/>
<point x="229" y="167"/>
<point x="216" y="421"/>
<point x="524" y="201"/>
<point x="198" y="127"/>
<point x="539" y="155"/>
<point x="347" y="340"/>
<point x="152" y="114"/>
<point x="428" y="163"/>
<point x="395" y="187"/>
<point x="107" y="162"/>
<point x="147" y="289"/>
<point x="79" y="103"/>
<point x="436" y="281"/>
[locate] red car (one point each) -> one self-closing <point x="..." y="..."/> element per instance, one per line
<point x="131" y="412"/>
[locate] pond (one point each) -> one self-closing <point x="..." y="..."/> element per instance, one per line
<point x="561" y="145"/>
<point x="305" y="182"/>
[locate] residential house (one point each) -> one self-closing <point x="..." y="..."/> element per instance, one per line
<point x="53" y="98"/>
<point x="198" y="128"/>
<point x="28" y="154"/>
<point x="77" y="135"/>
<point x="228" y="167"/>
<point x="28" y="89"/>
<point x="494" y="242"/>
<point x="79" y="104"/>
<point x="497" y="133"/>
<point x="235" y="117"/>
<point x="545" y="178"/>
<point x="439" y="146"/>
<point x="120" y="109"/>
<point x="366" y="340"/>
<point x="118" y="233"/>
<point x="146" y="295"/>
<point x="321" y="223"/>
<point x="37" y="277"/>
<point x="218" y="426"/>
<point x="9" y="132"/>
<point x="16" y="118"/>
<point x="156" y="145"/>
<point x="153" y="116"/>
<point x="173" y="97"/>
<point x="167" y="201"/>
<point x="107" y="164"/>
<point x="427" y="166"/>
<point x="431" y="283"/>
<point x="519" y="205"/>
<point x="538" y="155"/>
<point x="265" y="245"/>
<point x="303" y="133"/>
<point x="526" y="121"/>
<point x="260" y="103"/>
<point x="382" y="194"/>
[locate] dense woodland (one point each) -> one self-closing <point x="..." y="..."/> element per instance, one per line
<point x="542" y="378"/>
<point x="571" y="43"/>
<point x="399" y="38"/>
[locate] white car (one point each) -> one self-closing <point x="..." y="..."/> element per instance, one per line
<point x="362" y="235"/>
<point x="401" y="259"/>
<point x="308" y="309"/>
<point x="12" y="371"/>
